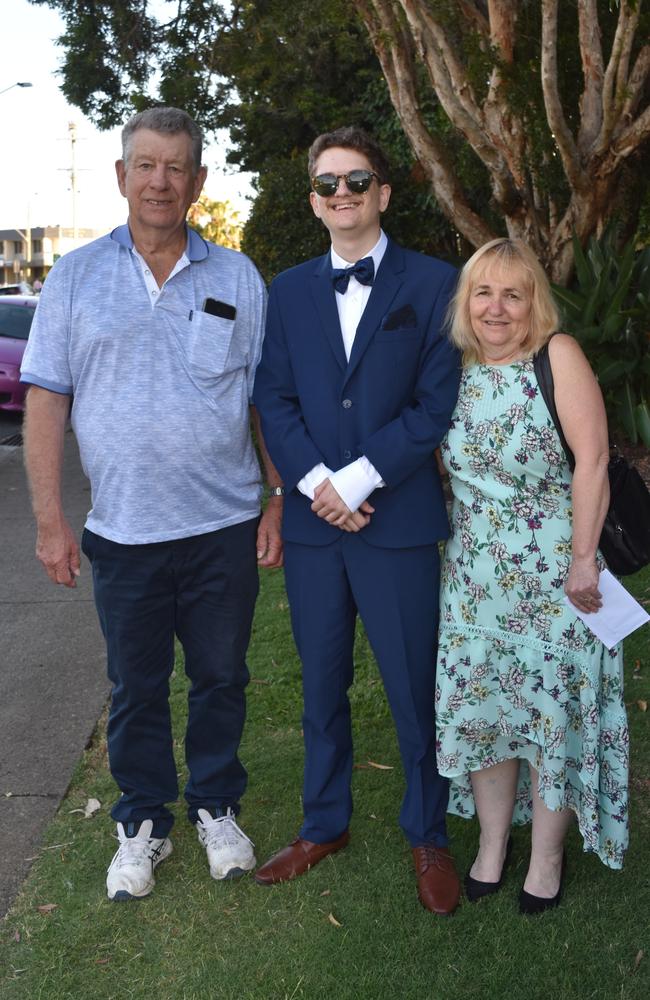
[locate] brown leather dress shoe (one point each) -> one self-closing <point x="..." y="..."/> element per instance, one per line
<point x="438" y="882"/>
<point x="297" y="858"/>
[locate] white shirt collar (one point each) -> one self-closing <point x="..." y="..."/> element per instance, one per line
<point x="376" y="253"/>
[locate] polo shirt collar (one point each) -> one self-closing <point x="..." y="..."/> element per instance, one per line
<point x="196" y="248"/>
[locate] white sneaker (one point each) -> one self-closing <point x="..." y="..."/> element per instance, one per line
<point x="130" y="874"/>
<point x="230" y="852"/>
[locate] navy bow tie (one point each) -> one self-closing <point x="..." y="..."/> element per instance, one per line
<point x="363" y="271"/>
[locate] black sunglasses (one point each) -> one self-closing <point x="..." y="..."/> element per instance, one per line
<point x="357" y="181"/>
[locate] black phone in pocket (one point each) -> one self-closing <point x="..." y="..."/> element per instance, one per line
<point x="215" y="308"/>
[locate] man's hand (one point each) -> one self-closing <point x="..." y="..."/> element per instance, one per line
<point x="329" y="505"/>
<point x="360" y="518"/>
<point x="58" y="551"/>
<point x="269" y="537"/>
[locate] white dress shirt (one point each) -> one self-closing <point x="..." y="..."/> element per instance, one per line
<point x="354" y="482"/>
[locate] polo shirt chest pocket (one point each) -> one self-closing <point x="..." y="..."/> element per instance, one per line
<point x="212" y="346"/>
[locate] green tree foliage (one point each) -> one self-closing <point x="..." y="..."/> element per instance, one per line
<point x="275" y="75"/>
<point x="216" y="221"/>
<point x="607" y="308"/>
<point x="522" y="116"/>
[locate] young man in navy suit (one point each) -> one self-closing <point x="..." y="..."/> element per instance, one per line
<point x="355" y="389"/>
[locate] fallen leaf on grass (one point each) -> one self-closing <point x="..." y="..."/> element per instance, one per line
<point x="637" y="960"/>
<point x="332" y="919"/>
<point x="47" y="908"/>
<point x="92" y="806"/>
<point x="16" y="935"/>
<point x="636" y="671"/>
<point x="326" y="892"/>
<point x="381" y="767"/>
<point x="360" y="767"/>
<point x="643" y="705"/>
<point x="102" y="961"/>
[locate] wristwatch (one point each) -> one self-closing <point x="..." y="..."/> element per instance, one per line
<point x="276" y="491"/>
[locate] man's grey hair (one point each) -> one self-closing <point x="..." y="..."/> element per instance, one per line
<point x="164" y="120"/>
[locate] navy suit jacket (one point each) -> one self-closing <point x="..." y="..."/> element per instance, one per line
<point x="391" y="402"/>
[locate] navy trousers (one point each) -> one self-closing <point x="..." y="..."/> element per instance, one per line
<point x="201" y="589"/>
<point x="395" y="592"/>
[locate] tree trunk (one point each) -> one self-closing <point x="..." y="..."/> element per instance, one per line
<point x="611" y="125"/>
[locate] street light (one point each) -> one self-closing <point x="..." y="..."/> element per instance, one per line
<point x="27" y="237"/>
<point x="23" y="84"/>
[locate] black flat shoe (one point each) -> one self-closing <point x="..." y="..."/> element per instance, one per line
<point x="475" y="890"/>
<point x="531" y="905"/>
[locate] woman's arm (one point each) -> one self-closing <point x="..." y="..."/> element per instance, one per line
<point x="581" y="411"/>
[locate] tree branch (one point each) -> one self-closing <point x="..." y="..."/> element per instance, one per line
<point x="503" y="17"/>
<point x="475" y="16"/>
<point x="626" y="50"/>
<point x="591" y="55"/>
<point x="452" y="87"/>
<point x="611" y="81"/>
<point x="636" y="83"/>
<point x="632" y="136"/>
<point x="395" y="56"/>
<point x="554" y="112"/>
<point x="447" y="74"/>
<point x="504" y="127"/>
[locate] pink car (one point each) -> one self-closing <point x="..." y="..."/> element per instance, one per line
<point x="16" y="315"/>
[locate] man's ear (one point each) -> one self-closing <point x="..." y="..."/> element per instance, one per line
<point x="313" y="201"/>
<point x="384" y="197"/>
<point x="199" y="181"/>
<point x="120" y="170"/>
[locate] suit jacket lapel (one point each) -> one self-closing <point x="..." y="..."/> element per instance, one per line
<point x="324" y="297"/>
<point x="387" y="281"/>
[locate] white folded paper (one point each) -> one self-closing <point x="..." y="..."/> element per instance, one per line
<point x="619" y="615"/>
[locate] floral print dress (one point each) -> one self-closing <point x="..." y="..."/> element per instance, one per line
<point x="519" y="675"/>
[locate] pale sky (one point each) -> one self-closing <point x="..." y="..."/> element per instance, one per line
<point x="35" y="147"/>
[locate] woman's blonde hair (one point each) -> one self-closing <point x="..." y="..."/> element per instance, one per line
<point x="506" y="254"/>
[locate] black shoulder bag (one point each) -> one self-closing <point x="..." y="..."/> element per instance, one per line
<point x="625" y="538"/>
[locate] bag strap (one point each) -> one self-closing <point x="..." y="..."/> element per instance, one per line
<point x="544" y="375"/>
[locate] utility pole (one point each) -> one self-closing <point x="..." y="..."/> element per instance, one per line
<point x="72" y="129"/>
<point x="72" y="171"/>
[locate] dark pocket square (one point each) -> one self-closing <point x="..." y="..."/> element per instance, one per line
<point x="401" y="318"/>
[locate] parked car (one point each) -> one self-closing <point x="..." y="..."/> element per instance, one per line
<point x="18" y="288"/>
<point x="16" y="315"/>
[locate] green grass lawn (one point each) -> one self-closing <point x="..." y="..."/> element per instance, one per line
<point x="353" y="928"/>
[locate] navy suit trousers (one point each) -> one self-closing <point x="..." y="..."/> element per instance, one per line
<point x="201" y="589"/>
<point x="395" y="592"/>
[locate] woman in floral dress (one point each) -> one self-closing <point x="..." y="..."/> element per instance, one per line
<point x="530" y="717"/>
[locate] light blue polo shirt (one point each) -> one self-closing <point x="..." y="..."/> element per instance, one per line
<point x="161" y="395"/>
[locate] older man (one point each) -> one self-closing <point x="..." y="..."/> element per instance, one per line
<point x="155" y="335"/>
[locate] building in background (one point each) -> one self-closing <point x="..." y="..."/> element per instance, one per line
<point x="27" y="254"/>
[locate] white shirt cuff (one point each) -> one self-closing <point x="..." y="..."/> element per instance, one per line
<point x="355" y="482"/>
<point x="314" y="478"/>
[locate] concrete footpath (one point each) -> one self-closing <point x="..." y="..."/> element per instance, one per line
<point x="52" y="670"/>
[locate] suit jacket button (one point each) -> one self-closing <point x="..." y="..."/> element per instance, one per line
<point x="347" y="403"/>
<point x="347" y="454"/>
